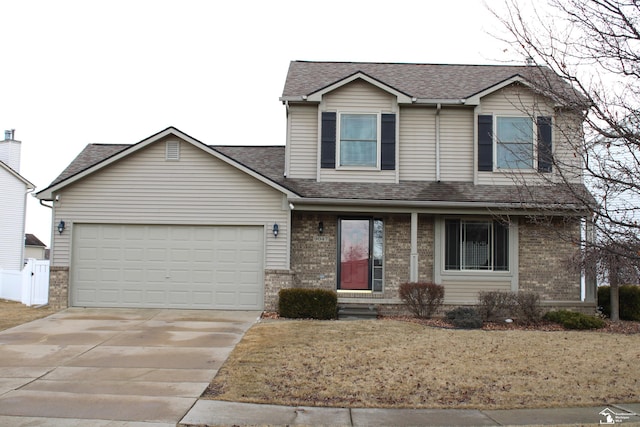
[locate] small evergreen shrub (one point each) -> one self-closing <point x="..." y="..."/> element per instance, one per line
<point x="422" y="299"/>
<point x="465" y="318"/>
<point x="629" y="301"/>
<point x="524" y="307"/>
<point x="298" y="303"/>
<point x="574" y="320"/>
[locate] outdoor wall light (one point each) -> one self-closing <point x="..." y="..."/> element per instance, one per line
<point x="320" y="227"/>
<point x="276" y="230"/>
<point x="61" y="225"/>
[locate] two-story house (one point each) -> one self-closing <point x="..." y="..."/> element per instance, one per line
<point x="391" y="173"/>
<point x="14" y="204"/>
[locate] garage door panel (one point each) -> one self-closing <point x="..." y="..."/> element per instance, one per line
<point x="205" y="267"/>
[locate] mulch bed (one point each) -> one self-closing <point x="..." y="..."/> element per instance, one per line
<point x="621" y="327"/>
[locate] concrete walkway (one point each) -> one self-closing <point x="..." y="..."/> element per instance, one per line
<point x="211" y="412"/>
<point x="113" y="367"/>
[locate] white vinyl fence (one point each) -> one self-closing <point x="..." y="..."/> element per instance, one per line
<point x="29" y="286"/>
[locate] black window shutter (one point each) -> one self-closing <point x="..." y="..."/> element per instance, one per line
<point x="485" y="143"/>
<point x="388" y="142"/>
<point x="328" y="141"/>
<point x="545" y="159"/>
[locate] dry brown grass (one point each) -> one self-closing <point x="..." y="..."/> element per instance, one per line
<point x="397" y="364"/>
<point x="13" y="314"/>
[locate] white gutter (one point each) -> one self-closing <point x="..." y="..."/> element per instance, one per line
<point x="438" y="108"/>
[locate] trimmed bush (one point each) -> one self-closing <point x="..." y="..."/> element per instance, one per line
<point x="629" y="301"/>
<point x="524" y="307"/>
<point x="465" y="318"/>
<point x="574" y="320"/>
<point x="297" y="303"/>
<point x="422" y="299"/>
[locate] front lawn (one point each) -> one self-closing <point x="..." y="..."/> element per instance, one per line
<point x="14" y="313"/>
<point x="395" y="364"/>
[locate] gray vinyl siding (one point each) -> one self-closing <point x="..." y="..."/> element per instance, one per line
<point x="513" y="100"/>
<point x="144" y="188"/>
<point x="417" y="144"/>
<point x="567" y="139"/>
<point x="303" y="141"/>
<point x="456" y="144"/>
<point x="358" y="96"/>
<point x="12" y="224"/>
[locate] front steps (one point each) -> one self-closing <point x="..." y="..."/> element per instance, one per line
<point x="357" y="311"/>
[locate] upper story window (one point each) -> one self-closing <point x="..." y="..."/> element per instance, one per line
<point x="514" y="142"/>
<point x="363" y="140"/>
<point x="511" y="143"/>
<point x="359" y="140"/>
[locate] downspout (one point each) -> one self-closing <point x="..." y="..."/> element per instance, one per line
<point x="286" y="146"/>
<point x="438" y="108"/>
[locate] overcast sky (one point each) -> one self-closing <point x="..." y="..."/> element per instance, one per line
<point x="80" y="72"/>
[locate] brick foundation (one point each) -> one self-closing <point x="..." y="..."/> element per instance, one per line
<point x="59" y="287"/>
<point x="274" y="280"/>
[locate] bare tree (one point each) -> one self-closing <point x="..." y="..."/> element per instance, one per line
<point x="594" y="47"/>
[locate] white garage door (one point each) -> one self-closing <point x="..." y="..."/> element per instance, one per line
<point x="203" y="267"/>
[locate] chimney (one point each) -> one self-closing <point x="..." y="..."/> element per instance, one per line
<point x="10" y="150"/>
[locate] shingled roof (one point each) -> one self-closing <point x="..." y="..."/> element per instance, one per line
<point x="421" y="81"/>
<point x="268" y="161"/>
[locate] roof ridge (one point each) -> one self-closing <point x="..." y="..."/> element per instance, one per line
<point x="412" y="63"/>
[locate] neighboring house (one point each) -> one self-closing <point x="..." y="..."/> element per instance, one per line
<point x="391" y="173"/>
<point x="14" y="201"/>
<point x="33" y="247"/>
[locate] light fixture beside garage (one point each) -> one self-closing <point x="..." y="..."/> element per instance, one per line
<point x="276" y="229"/>
<point x="61" y="226"/>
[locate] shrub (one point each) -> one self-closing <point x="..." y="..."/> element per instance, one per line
<point x="529" y="311"/>
<point x="422" y="299"/>
<point x="496" y="305"/>
<point x="308" y="303"/>
<point x="465" y="318"/>
<point x="629" y="301"/>
<point x="574" y="320"/>
<point x="524" y="307"/>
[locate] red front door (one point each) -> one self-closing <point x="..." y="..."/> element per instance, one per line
<point x="354" y="254"/>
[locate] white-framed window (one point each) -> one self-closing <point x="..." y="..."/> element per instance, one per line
<point x="514" y="138"/>
<point x="359" y="139"/>
<point x="476" y="244"/>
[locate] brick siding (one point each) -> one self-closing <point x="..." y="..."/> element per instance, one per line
<point x="545" y="254"/>
<point x="59" y="287"/>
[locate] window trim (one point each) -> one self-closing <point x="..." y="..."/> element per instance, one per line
<point x="442" y="276"/>
<point x="492" y="252"/>
<point x="534" y="138"/>
<point x="338" y="164"/>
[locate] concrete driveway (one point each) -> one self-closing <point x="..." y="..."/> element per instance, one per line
<point x="113" y="367"/>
